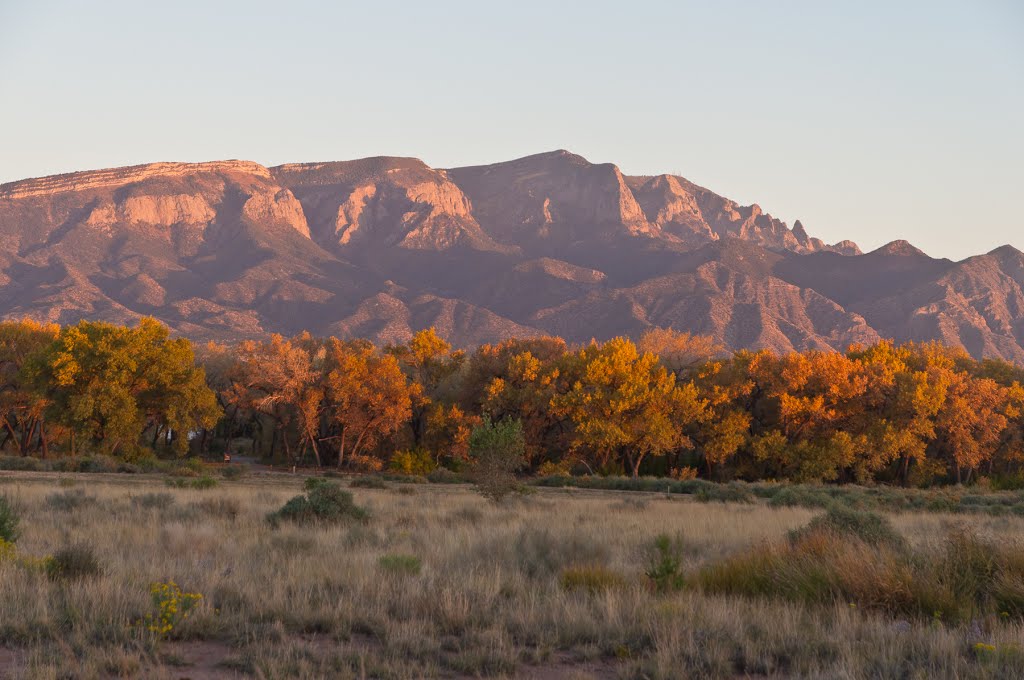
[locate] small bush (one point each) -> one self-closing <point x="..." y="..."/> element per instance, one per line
<point x="325" y="502"/>
<point x="665" y="570"/>
<point x="368" y="482"/>
<point x="869" y="527"/>
<point x="445" y="476"/>
<point x="497" y="450"/>
<point x="8" y="521"/>
<point x="315" y="483"/>
<point x="731" y="493"/>
<point x="592" y="579"/>
<point x="153" y="501"/>
<point x="400" y="565"/>
<point x="204" y="482"/>
<point x="21" y="463"/>
<point x="73" y="562"/>
<point x="233" y="472"/>
<point x="67" y="501"/>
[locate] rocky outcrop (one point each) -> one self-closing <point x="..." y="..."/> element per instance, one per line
<point x="385" y="202"/>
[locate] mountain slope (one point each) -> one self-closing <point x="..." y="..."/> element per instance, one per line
<point x="549" y="243"/>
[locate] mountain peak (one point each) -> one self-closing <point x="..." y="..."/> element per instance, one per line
<point x="899" y="248"/>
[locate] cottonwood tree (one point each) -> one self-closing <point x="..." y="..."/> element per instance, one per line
<point x="108" y="384"/>
<point x="22" y="405"/>
<point x="625" y="406"/>
<point x="368" y="396"/>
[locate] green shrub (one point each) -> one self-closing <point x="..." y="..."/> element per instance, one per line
<point x="731" y="493"/>
<point x="67" y="501"/>
<point x="204" y="482"/>
<point x="665" y="570"/>
<point x="869" y="527"/>
<point x="497" y="450"/>
<point x="8" y="521"/>
<point x="592" y="579"/>
<point x="324" y="503"/>
<point x="233" y="472"/>
<point x="315" y="483"/>
<point x="445" y="476"/>
<point x="368" y="482"/>
<point x="400" y="565"/>
<point x="73" y="562"/>
<point x="22" y="463"/>
<point x="789" y="496"/>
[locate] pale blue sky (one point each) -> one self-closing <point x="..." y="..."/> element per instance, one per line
<point x="870" y="121"/>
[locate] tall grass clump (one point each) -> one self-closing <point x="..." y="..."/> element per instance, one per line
<point x="856" y="557"/>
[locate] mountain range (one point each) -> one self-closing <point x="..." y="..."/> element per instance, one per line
<point x="546" y="244"/>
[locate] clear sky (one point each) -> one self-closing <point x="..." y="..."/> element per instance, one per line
<point x="866" y="120"/>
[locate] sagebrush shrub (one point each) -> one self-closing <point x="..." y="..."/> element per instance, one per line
<point x="368" y="482"/>
<point x="325" y="502"/>
<point x="870" y="527"/>
<point x="153" y="501"/>
<point x="73" y="562"/>
<point x="233" y="472"/>
<point x="66" y="501"/>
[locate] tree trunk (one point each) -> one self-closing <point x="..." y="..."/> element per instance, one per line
<point x="341" y="449"/>
<point x="42" y="439"/>
<point x="316" y="451"/>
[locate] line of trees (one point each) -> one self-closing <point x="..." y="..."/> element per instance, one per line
<point x="669" y="404"/>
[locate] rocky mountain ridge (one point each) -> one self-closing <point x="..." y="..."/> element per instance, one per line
<point x="550" y="243"/>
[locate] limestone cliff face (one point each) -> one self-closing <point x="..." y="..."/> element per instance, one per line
<point x="162" y="211"/>
<point x="119" y="177"/>
<point x="554" y="197"/>
<point x="384" y="201"/>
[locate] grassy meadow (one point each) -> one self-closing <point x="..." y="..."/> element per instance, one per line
<point x="436" y="581"/>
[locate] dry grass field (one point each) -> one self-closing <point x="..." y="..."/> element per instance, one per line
<point x="439" y="582"/>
